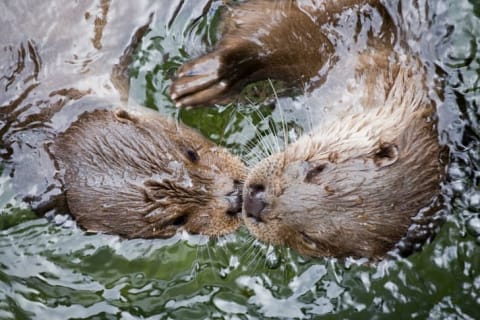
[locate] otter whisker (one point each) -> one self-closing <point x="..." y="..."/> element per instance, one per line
<point x="309" y="115"/>
<point x="271" y="136"/>
<point x="256" y="259"/>
<point x="253" y="146"/>
<point x="210" y="262"/>
<point x="250" y="249"/>
<point x="269" y="144"/>
<point x="249" y="154"/>
<point x="282" y="118"/>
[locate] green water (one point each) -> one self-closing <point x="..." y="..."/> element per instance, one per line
<point x="50" y="272"/>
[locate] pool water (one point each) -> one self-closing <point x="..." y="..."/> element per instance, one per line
<point x="54" y="54"/>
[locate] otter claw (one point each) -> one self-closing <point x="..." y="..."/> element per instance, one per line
<point x="200" y="82"/>
<point x="210" y="95"/>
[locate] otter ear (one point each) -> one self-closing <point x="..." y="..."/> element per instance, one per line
<point x="386" y="154"/>
<point x="124" y="116"/>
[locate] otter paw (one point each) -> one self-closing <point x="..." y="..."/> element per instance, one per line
<point x="202" y="81"/>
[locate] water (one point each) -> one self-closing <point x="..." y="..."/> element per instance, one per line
<point x="52" y="272"/>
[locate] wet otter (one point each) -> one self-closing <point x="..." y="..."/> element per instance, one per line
<point x="352" y="185"/>
<point x="66" y="148"/>
<point x="146" y="176"/>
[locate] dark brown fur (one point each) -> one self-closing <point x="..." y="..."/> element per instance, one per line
<point x="147" y="176"/>
<point x="262" y="40"/>
<point x="351" y="186"/>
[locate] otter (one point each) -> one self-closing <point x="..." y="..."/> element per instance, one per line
<point x="70" y="144"/>
<point x="143" y="175"/>
<point x="354" y="184"/>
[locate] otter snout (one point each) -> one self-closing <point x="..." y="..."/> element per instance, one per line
<point x="235" y="199"/>
<point x="254" y="202"/>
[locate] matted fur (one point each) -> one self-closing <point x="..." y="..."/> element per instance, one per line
<point x="147" y="176"/>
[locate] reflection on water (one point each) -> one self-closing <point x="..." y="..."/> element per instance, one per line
<point x="57" y="59"/>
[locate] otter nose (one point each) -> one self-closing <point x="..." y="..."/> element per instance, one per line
<point x="235" y="199"/>
<point x="254" y="201"/>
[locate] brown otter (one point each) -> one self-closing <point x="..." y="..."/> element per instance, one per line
<point x="142" y="175"/>
<point x="133" y="174"/>
<point x="350" y="186"/>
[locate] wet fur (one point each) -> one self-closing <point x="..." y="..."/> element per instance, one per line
<point x="352" y="185"/>
<point x="146" y="176"/>
<point x="351" y="190"/>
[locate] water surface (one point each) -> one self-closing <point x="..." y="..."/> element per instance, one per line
<point x="57" y="56"/>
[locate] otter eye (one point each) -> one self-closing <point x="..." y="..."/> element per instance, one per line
<point x="192" y="155"/>
<point x="313" y="174"/>
<point x="180" y="220"/>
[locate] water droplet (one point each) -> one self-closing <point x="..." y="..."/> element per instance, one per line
<point x="272" y="258"/>
<point x="473" y="226"/>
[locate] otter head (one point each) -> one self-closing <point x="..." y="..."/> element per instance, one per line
<point x="146" y="176"/>
<point x="350" y="187"/>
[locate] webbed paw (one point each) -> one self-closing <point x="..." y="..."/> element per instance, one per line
<point x="202" y="82"/>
